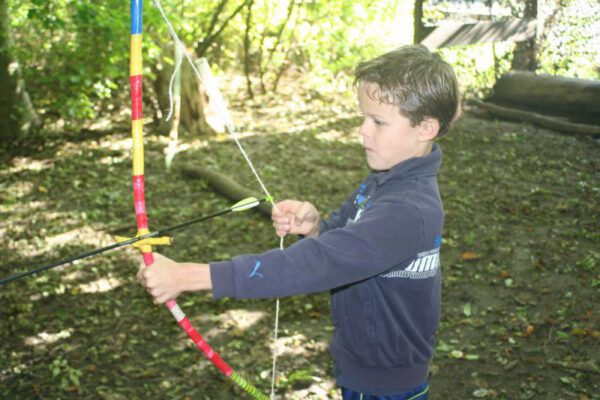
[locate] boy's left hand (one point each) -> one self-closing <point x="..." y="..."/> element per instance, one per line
<point x="166" y="279"/>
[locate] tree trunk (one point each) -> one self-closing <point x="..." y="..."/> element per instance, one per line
<point x="196" y="116"/>
<point x="525" y="52"/>
<point x="263" y="66"/>
<point x="193" y="116"/>
<point x="247" y="49"/>
<point x="577" y="99"/>
<point x="418" y="27"/>
<point x="193" y="104"/>
<point x="17" y="116"/>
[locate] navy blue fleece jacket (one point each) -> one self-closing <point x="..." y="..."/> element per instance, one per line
<point x="379" y="256"/>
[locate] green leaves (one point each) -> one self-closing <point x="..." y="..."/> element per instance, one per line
<point x="69" y="377"/>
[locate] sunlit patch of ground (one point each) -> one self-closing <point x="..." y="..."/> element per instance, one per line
<point x="47" y="338"/>
<point x="101" y="285"/>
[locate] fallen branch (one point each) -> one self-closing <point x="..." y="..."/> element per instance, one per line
<point x="538" y="119"/>
<point x="583" y="366"/>
<point x="224" y="185"/>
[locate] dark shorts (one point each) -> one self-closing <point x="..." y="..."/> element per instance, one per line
<point x="421" y="392"/>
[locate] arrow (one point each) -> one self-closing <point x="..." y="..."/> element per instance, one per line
<point x="152" y="238"/>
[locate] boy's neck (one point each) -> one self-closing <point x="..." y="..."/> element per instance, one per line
<point x="425" y="149"/>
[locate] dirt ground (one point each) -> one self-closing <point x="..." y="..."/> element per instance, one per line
<point x="520" y="259"/>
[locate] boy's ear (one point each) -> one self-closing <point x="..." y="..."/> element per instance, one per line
<point x="429" y="128"/>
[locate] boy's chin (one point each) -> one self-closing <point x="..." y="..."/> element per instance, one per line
<point x="376" y="166"/>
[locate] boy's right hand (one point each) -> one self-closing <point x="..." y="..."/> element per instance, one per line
<point x="293" y="216"/>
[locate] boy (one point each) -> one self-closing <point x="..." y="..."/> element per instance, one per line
<point x="378" y="253"/>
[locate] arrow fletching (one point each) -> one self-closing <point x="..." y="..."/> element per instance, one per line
<point x="245" y="204"/>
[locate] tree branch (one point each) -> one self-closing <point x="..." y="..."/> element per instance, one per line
<point x="211" y="37"/>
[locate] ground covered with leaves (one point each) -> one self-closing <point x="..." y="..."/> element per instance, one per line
<point x="521" y="262"/>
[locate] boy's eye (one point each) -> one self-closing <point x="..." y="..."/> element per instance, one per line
<point x="378" y="121"/>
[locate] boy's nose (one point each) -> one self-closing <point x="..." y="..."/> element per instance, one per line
<point x="364" y="129"/>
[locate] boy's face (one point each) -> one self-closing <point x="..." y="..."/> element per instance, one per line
<point x="388" y="137"/>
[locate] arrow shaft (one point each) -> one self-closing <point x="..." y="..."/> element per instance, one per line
<point x="206" y="217"/>
<point x="128" y="242"/>
<point x="66" y="261"/>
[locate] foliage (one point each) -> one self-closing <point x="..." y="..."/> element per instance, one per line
<point x="334" y="36"/>
<point x="478" y="66"/>
<point x="72" y="54"/>
<point x="573" y="52"/>
<point x="75" y="53"/>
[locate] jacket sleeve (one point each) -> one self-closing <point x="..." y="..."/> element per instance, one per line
<point x="338" y="217"/>
<point x="387" y="235"/>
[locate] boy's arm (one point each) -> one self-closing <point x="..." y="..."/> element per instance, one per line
<point x="387" y="235"/>
<point x="167" y="278"/>
<point x="339" y="217"/>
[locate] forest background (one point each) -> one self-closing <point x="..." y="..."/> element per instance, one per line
<point x="521" y="259"/>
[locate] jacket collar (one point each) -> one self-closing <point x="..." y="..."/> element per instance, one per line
<point x="428" y="165"/>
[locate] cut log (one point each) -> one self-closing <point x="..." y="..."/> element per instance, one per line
<point x="576" y="99"/>
<point x="224" y="185"/>
<point x="538" y="119"/>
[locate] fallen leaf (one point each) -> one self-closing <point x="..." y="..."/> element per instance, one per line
<point x="485" y="393"/>
<point x="470" y="256"/>
<point x="579" y="332"/>
<point x="467" y="309"/>
<point x="588" y="315"/>
<point x="529" y="331"/>
<point x="457" y="354"/>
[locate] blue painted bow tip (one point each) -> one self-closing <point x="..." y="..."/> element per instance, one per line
<point x="136" y="16"/>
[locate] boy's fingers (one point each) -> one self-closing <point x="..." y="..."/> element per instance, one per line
<point x="141" y="274"/>
<point x="281" y="230"/>
<point x="281" y="233"/>
<point x="284" y="225"/>
<point x="163" y="299"/>
<point x="287" y="206"/>
<point x="159" y="296"/>
<point x="305" y="213"/>
<point x="281" y="220"/>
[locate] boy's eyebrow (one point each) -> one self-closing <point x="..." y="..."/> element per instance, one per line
<point x="378" y="116"/>
<point x="371" y="114"/>
<point x="366" y="113"/>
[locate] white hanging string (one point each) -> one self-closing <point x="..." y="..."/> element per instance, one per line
<point x="177" y="66"/>
<point x="204" y="75"/>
